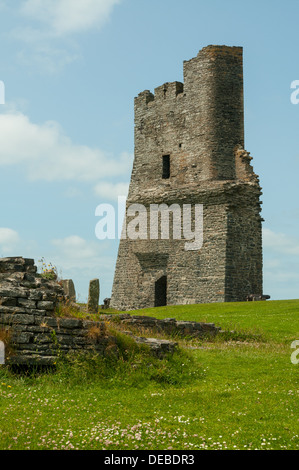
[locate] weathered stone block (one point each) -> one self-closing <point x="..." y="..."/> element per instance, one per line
<point x="26" y="303"/>
<point x="71" y="323"/>
<point x="13" y="291"/>
<point x="22" y="338"/>
<point x="16" y="319"/>
<point x="46" y="322"/>
<point x="49" y="295"/>
<point x="35" y="295"/>
<point x="8" y="302"/>
<point x="43" y="338"/>
<point x="93" y="296"/>
<point x="69" y="289"/>
<point x="65" y="339"/>
<point x="46" y="305"/>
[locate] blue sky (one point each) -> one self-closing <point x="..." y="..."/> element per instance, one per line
<point x="71" y="70"/>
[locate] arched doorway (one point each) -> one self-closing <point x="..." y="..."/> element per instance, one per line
<point x="161" y="292"/>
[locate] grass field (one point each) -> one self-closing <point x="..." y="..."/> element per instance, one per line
<point x="238" y="391"/>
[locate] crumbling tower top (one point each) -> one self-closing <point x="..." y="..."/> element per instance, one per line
<point x="198" y="123"/>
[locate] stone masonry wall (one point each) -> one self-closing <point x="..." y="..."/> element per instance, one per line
<point x="27" y="313"/>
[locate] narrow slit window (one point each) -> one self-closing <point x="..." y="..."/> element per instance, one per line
<point x="166" y="167"/>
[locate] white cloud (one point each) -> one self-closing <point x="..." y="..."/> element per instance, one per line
<point x="110" y="191"/>
<point x="48" y="154"/>
<point x="50" y="60"/>
<point x="76" y="248"/>
<point x="75" y="252"/>
<point x="49" y="27"/>
<point x="280" y="242"/>
<point x="64" y="17"/>
<point x="9" y="239"/>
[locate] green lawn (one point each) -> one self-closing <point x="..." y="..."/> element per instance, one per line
<point x="239" y="391"/>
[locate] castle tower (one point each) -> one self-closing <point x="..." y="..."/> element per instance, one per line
<point x="189" y="151"/>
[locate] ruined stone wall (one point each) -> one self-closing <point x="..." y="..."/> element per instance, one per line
<point x="193" y="276"/>
<point x="244" y="266"/>
<point x="199" y="124"/>
<point x="167" y="325"/>
<point x="34" y="334"/>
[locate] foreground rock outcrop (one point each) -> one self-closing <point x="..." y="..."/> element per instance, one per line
<point x="34" y="334"/>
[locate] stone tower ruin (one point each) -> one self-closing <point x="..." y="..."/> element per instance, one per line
<point x="189" y="150"/>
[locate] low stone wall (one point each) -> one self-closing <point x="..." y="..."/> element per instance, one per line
<point x="167" y="325"/>
<point x="27" y="318"/>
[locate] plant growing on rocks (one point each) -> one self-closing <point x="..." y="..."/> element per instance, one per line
<point x="48" y="271"/>
<point x="96" y="332"/>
